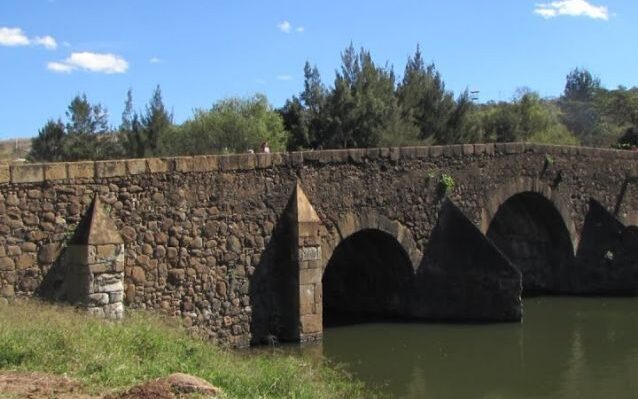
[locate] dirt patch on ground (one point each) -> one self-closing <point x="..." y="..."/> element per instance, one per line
<point x="14" y="385"/>
<point x="29" y="385"/>
<point x="174" y="386"/>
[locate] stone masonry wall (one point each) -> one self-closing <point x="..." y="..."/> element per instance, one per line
<point x="197" y="229"/>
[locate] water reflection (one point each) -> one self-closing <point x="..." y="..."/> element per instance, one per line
<point x="565" y="348"/>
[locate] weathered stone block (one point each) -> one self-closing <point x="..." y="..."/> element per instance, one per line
<point x="5" y="174"/>
<point x="28" y="247"/>
<point x="30" y="219"/>
<point x="307" y="300"/>
<point x="106" y="251"/>
<point x="55" y="171"/>
<point x="49" y="253"/>
<point x="309" y="253"/>
<point x="453" y="151"/>
<point x="185" y="164"/>
<point x="408" y="152"/>
<point x="310" y="276"/>
<point x="99" y="268"/>
<point x="176" y="276"/>
<point x="115" y="297"/>
<point x="395" y="153"/>
<point x="27" y="173"/>
<point x="138" y="275"/>
<point x="311" y="323"/>
<point x="436" y="151"/>
<point x="13" y="250"/>
<point x="99" y="299"/>
<point x="422" y="152"/>
<point x="229" y="162"/>
<point x="480" y="149"/>
<point x="372" y="153"/>
<point x="108" y="286"/>
<point x="110" y="168"/>
<point x="135" y="166"/>
<point x="158" y="165"/>
<point x="356" y="155"/>
<point x="263" y="160"/>
<point x="279" y="159"/>
<point x="468" y="149"/>
<point x="514" y="148"/>
<point x="80" y="170"/>
<point x="26" y="261"/>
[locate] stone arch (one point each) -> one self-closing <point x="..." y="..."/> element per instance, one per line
<point x="493" y="200"/>
<point x="368" y="276"/>
<point x="530" y="231"/>
<point x="351" y="223"/>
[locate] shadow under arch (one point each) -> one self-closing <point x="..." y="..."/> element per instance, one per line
<point x="531" y="232"/>
<point x="368" y="276"/>
<point x="493" y="200"/>
<point x="352" y="223"/>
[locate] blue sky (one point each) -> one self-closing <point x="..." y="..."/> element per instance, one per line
<point x="201" y="51"/>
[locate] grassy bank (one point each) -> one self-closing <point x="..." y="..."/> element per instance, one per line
<point x="107" y="355"/>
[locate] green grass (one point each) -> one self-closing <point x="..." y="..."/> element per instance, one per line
<point x="112" y="355"/>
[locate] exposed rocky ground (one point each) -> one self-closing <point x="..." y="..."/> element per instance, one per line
<point x="32" y="385"/>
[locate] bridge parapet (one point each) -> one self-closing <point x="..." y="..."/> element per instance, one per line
<point x="40" y="172"/>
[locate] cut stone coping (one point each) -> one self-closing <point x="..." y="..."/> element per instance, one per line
<point x="41" y="172"/>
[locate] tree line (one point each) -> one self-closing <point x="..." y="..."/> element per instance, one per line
<point x="365" y="106"/>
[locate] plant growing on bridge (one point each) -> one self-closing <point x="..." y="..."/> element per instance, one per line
<point x="446" y="183"/>
<point x="549" y="160"/>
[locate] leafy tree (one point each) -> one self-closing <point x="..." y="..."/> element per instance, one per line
<point x="85" y="118"/>
<point x="526" y="118"/>
<point x="156" y="121"/>
<point x="425" y="102"/>
<point x="231" y="125"/>
<point x="296" y="122"/>
<point x="128" y="114"/>
<point x="48" y="146"/>
<point x="361" y="109"/>
<point x="580" y="85"/>
<point x="85" y="128"/>
<point x="142" y="134"/>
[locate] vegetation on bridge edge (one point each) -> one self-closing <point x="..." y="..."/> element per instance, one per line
<point x="367" y="105"/>
<point x="113" y="355"/>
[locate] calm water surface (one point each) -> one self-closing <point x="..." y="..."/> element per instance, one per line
<point x="566" y="348"/>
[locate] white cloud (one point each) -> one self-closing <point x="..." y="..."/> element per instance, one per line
<point x="92" y="62"/>
<point x="155" y="60"/>
<point x="284" y="77"/>
<point x="59" y="67"/>
<point x="287" y="27"/>
<point x="13" y="37"/>
<point x="284" y="26"/>
<point x="573" y="8"/>
<point x="47" y="42"/>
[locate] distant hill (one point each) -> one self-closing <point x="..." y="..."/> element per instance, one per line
<point x="14" y="149"/>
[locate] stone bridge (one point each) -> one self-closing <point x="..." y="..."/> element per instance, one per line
<point x="252" y="247"/>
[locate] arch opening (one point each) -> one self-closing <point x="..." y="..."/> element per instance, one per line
<point x="368" y="278"/>
<point x="529" y="230"/>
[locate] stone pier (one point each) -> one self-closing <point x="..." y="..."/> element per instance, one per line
<point x="95" y="265"/>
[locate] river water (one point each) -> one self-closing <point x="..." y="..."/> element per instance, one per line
<point x="565" y="348"/>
